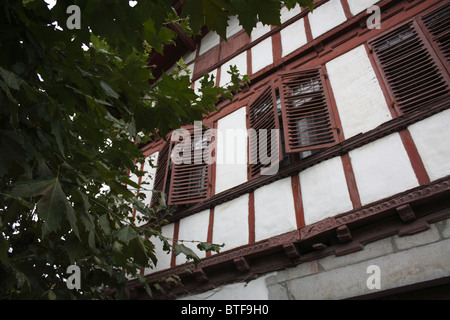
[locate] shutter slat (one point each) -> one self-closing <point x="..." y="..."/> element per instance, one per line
<point x="190" y="181"/>
<point x="306" y="114"/>
<point x="263" y="114"/>
<point x="161" y="170"/>
<point x="409" y="68"/>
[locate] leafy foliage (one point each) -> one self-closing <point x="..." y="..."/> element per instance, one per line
<point x="75" y="104"/>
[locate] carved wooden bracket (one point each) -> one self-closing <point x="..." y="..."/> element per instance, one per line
<point x="242" y="264"/>
<point x="343" y="234"/>
<point x="200" y="275"/>
<point x="406" y="213"/>
<point x="291" y="250"/>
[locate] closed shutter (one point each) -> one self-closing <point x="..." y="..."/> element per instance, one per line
<point x="263" y="115"/>
<point x="190" y="182"/>
<point x="162" y="170"/>
<point x="410" y="68"/>
<point x="307" y="118"/>
<point x="437" y="24"/>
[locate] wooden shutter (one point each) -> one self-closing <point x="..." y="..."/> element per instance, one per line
<point x="307" y="118"/>
<point x="262" y="114"/>
<point x="162" y="170"/>
<point x="437" y="24"/>
<point x="190" y="183"/>
<point x="410" y="68"/>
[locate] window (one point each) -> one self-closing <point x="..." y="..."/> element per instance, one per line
<point x="263" y="118"/>
<point x="305" y="106"/>
<point x="299" y="109"/>
<point x="408" y="57"/>
<point x="185" y="179"/>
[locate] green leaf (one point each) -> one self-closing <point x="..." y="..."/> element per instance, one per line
<point x="108" y="90"/>
<point x="11" y="79"/>
<point x="31" y="188"/>
<point x="179" y="248"/>
<point x="126" y="234"/>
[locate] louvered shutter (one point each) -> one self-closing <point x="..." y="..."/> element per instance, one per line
<point x="409" y="67"/>
<point x="190" y="182"/>
<point x="437" y="24"/>
<point x="263" y="115"/>
<point x="162" y="170"/>
<point x="307" y="119"/>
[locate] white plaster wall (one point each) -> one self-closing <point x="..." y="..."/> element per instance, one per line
<point x="326" y="17"/>
<point x="148" y="179"/>
<point x="262" y="55"/>
<point x="274" y="209"/>
<point x="231" y="151"/>
<point x="356" y="6"/>
<point x="253" y="290"/>
<point x="231" y="223"/>
<point x="193" y="228"/>
<point x="259" y="31"/>
<point x="233" y="26"/>
<point x="240" y="61"/>
<point x="293" y="37"/>
<point x="359" y="98"/>
<point x="382" y="168"/>
<point x="432" y="139"/>
<point x="324" y="191"/>
<point x="209" y="41"/>
<point x="162" y="256"/>
<point x="286" y="14"/>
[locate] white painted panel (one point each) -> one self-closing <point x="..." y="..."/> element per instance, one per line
<point x="432" y="139"/>
<point x="163" y="257"/>
<point x="293" y="37"/>
<point x="356" y="6"/>
<point x="231" y="151"/>
<point x="262" y="55"/>
<point x="193" y="228"/>
<point x="324" y="191"/>
<point x="382" y="168"/>
<point x="288" y="14"/>
<point x="233" y="26"/>
<point x="240" y="61"/>
<point x="252" y="290"/>
<point x="231" y="223"/>
<point x="148" y="179"/>
<point x="326" y="17"/>
<point x="209" y="41"/>
<point x="359" y="98"/>
<point x="146" y="185"/>
<point x="274" y="209"/>
<point x="259" y="31"/>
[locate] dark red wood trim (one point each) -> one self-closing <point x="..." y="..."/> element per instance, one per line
<point x="381" y="81"/>
<point x="309" y="36"/>
<point x="176" y="229"/>
<point x="346" y="7"/>
<point x="298" y="201"/>
<point x="351" y="181"/>
<point x="209" y="237"/>
<point x="414" y="157"/>
<point x="276" y="48"/>
<point x="251" y="217"/>
<point x="334" y="113"/>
